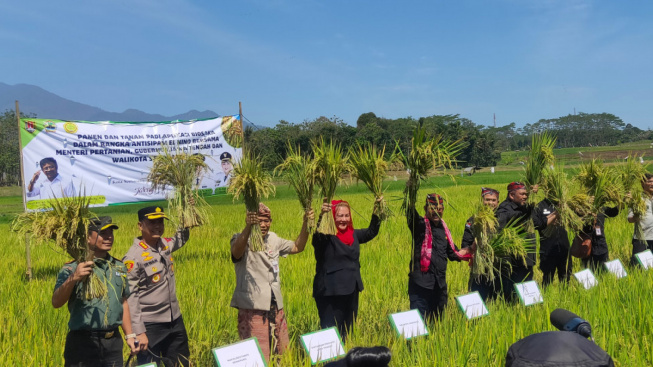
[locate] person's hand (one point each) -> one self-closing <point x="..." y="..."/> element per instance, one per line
<point x="535" y="189"/>
<point x="326" y="206"/>
<point x="463" y="251"/>
<point x="251" y="218"/>
<point x="309" y="215"/>
<point x="83" y="270"/>
<point x="132" y="347"/>
<point x="554" y="217"/>
<point x="628" y="196"/>
<point x="35" y="177"/>
<point x="142" y="342"/>
<point x="378" y="200"/>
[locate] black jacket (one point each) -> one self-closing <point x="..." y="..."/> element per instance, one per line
<point x="441" y="252"/>
<point x="468" y="234"/>
<point x="597" y="231"/>
<point x="510" y="212"/>
<point x="557" y="235"/>
<point x="337" y="266"/>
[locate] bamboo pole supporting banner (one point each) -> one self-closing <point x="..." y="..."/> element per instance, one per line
<point x="242" y="124"/>
<point x="28" y="255"/>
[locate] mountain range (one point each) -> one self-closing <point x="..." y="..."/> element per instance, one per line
<point x="36" y="100"/>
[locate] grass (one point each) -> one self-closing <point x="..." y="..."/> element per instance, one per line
<point x="34" y="333"/>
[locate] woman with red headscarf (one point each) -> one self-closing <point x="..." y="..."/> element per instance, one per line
<point x="337" y="279"/>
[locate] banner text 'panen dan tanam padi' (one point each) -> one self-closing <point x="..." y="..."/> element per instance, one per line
<point x="110" y="161"/>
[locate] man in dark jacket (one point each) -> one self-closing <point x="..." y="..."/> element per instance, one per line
<point x="516" y="211"/>
<point x="596" y="230"/>
<point x="432" y="247"/>
<point x="554" y="243"/>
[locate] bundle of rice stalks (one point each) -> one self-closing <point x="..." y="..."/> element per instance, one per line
<point x="484" y="227"/>
<point x="299" y="170"/>
<point x="66" y="224"/>
<point x="369" y="166"/>
<point x="630" y="174"/>
<point x="252" y="182"/>
<point x="180" y="170"/>
<point x="426" y="154"/>
<point x="600" y="184"/>
<point x="556" y="188"/>
<point x="495" y="251"/>
<point x="540" y="157"/>
<point x="330" y="163"/>
<point x="582" y="206"/>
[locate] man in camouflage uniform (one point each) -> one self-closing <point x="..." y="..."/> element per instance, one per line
<point x="94" y="339"/>
<point x="155" y="314"/>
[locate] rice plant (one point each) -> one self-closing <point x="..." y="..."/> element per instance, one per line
<point x="600" y="184"/>
<point x="557" y="188"/>
<point x="66" y="224"/>
<point x="369" y="166"/>
<point x="180" y="170"/>
<point x="540" y="156"/>
<point x="251" y="181"/>
<point x="299" y="170"/>
<point x="630" y="175"/>
<point x="331" y="163"/>
<point x="426" y="154"/>
<point x="484" y="227"/>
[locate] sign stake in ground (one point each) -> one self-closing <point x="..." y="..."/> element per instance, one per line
<point x="408" y="324"/>
<point x="323" y="345"/>
<point x="529" y="293"/>
<point x="616" y="267"/>
<point x="472" y="305"/>
<point x="645" y="259"/>
<point x="243" y="353"/>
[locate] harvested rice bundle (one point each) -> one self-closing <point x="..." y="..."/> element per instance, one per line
<point x="426" y="154"/>
<point x="630" y="174"/>
<point x="252" y="182"/>
<point x="66" y="224"/>
<point x="556" y="188"/>
<point x="581" y="205"/>
<point x="540" y="157"/>
<point x="369" y="166"/>
<point x="600" y="184"/>
<point x="180" y="170"/>
<point x="299" y="170"/>
<point x="484" y="227"/>
<point x="330" y="163"/>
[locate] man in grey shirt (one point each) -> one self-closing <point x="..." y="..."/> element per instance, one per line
<point x="645" y="222"/>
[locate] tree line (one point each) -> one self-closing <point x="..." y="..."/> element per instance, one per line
<point x="483" y="144"/>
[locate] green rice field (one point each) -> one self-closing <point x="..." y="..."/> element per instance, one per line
<point x="619" y="311"/>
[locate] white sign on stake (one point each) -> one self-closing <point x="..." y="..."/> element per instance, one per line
<point x="323" y="345"/>
<point x="245" y="353"/>
<point x="616" y="268"/>
<point x="408" y="324"/>
<point x="645" y="259"/>
<point x="147" y="365"/>
<point x="586" y="278"/>
<point x="529" y="293"/>
<point x="472" y="305"/>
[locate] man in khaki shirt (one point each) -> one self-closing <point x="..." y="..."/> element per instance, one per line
<point x="153" y="305"/>
<point x="258" y="292"/>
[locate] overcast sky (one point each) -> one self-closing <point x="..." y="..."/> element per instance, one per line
<point x="296" y="60"/>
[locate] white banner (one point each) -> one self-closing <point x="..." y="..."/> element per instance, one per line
<point x="110" y="161"/>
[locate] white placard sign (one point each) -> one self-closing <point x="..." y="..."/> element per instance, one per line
<point x="147" y="365"/>
<point x="323" y="345"/>
<point x="645" y="259"/>
<point x="586" y="278"/>
<point x="242" y="354"/>
<point x="472" y="305"/>
<point x="408" y="324"/>
<point x="529" y="293"/>
<point x="616" y="268"/>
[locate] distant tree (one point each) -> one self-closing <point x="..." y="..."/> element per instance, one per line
<point x="9" y="148"/>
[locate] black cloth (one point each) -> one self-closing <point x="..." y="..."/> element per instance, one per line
<point x="429" y="302"/>
<point x="554" y="244"/>
<point x="597" y="230"/>
<point x="168" y="341"/>
<point x="512" y="213"/>
<point x="338" y="311"/>
<point x="337" y="266"/>
<point x="468" y="234"/>
<point x="556" y="348"/>
<point x="91" y="349"/>
<point x="436" y="276"/>
<point x="639" y="246"/>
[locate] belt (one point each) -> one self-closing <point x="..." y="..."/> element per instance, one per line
<point x="106" y="334"/>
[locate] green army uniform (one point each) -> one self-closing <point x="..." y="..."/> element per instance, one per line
<point x="94" y="323"/>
